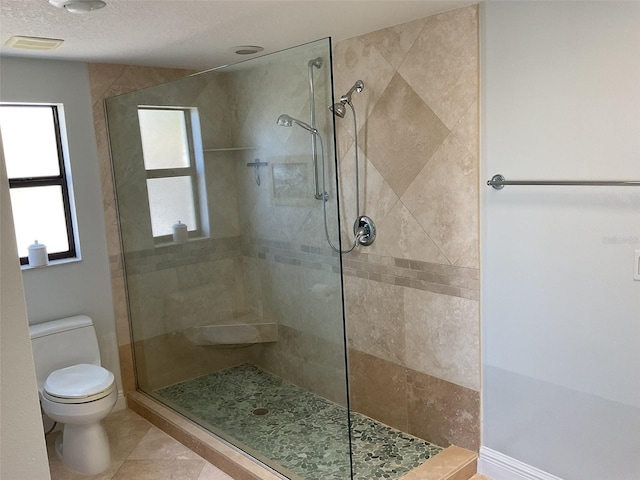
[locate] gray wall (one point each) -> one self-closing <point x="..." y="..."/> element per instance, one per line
<point x="22" y="448"/>
<point x="79" y="287"/>
<point x="560" y="308"/>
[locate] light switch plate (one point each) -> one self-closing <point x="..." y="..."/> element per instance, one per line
<point x="636" y="265"/>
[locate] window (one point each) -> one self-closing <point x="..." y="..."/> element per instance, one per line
<point x="167" y="148"/>
<point x="33" y="150"/>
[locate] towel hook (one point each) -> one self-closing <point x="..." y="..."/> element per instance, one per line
<point x="256" y="164"/>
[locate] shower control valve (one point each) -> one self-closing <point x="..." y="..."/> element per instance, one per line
<point x="365" y="231"/>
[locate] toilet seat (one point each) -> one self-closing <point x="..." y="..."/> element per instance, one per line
<point x="80" y="383"/>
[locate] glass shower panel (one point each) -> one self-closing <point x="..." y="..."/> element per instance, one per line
<point x="242" y="328"/>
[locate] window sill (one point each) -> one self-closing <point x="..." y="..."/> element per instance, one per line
<point x="52" y="263"/>
<point x="173" y="244"/>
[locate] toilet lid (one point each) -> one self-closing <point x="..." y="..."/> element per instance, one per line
<point x="78" y="381"/>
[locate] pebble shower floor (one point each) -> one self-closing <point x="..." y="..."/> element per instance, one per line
<point x="305" y="434"/>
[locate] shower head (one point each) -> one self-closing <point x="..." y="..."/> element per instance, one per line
<point x="285" y="120"/>
<point x="338" y="109"/>
<point x="316" y="62"/>
<point x="357" y="87"/>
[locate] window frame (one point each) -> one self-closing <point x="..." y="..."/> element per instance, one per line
<point x="51" y="180"/>
<point x="191" y="171"/>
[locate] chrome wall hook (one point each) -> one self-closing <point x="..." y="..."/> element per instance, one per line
<point x="256" y="164"/>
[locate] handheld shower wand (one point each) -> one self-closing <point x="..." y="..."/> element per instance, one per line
<point x="362" y="235"/>
<point x="364" y="229"/>
<point x="285" y="120"/>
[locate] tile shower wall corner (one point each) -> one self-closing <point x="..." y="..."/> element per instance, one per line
<point x="107" y="80"/>
<point x="291" y="276"/>
<point x="412" y="298"/>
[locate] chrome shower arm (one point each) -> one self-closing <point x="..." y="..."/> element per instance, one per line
<point x="357" y="87"/>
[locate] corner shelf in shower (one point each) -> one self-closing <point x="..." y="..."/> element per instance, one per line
<point x="229" y="149"/>
<point x="240" y="329"/>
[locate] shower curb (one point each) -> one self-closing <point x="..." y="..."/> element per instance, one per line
<point x="453" y="463"/>
<point x="221" y="454"/>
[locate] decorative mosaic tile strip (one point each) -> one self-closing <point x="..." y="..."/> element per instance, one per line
<point x="433" y="277"/>
<point x="177" y="255"/>
<point x="444" y="279"/>
<point x="301" y="431"/>
<point x="286" y="252"/>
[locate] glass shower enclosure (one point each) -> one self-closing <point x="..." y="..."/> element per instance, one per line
<point x="235" y="296"/>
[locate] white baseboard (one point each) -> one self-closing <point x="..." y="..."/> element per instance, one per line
<point x="499" y="466"/>
<point x="121" y="403"/>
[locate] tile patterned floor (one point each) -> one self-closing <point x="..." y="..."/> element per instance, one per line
<point x="140" y="451"/>
<point x="302" y="432"/>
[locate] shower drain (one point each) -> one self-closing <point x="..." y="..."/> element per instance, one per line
<point x="261" y="411"/>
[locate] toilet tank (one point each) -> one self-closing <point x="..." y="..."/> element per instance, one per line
<point x="62" y="343"/>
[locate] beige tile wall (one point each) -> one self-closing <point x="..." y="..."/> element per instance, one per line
<point x="412" y="297"/>
<point x="174" y="287"/>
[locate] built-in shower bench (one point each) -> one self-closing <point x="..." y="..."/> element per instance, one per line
<point x="240" y="329"/>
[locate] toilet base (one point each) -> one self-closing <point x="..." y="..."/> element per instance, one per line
<point x="84" y="448"/>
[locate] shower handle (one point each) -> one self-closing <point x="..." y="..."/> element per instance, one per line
<point x="365" y="231"/>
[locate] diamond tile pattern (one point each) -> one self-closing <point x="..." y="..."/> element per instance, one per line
<point x="407" y="134"/>
<point x="442" y="64"/>
<point x="393" y="43"/>
<point x="353" y="60"/>
<point x="375" y="193"/>
<point x="443" y="198"/>
<point x="400" y="235"/>
<point x="427" y="111"/>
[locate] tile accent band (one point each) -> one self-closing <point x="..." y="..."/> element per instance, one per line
<point x="433" y="277"/>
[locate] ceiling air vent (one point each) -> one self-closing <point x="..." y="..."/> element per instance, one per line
<point x="33" y="43"/>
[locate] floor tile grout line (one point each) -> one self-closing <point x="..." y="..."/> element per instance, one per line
<point x="126" y="460"/>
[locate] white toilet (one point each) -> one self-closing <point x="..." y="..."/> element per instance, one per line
<point x="74" y="390"/>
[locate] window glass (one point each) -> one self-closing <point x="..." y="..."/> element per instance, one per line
<point x="38" y="214"/>
<point x="165" y="142"/>
<point x="33" y="145"/>
<point x="170" y="200"/>
<point x="29" y="141"/>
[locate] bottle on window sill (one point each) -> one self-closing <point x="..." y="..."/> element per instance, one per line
<point x="38" y="255"/>
<point x="180" y="233"/>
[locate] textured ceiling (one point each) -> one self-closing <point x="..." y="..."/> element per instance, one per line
<point x="198" y="33"/>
